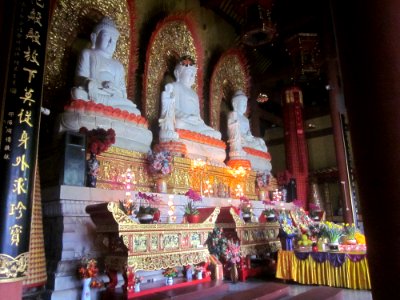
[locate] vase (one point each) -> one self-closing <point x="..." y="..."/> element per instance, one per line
<point x="93" y="167"/>
<point x="246" y="217"/>
<point x="169" y="281"/>
<point x="271" y="218"/>
<point x="333" y="246"/>
<point x="137" y="287"/>
<point x="199" y="275"/>
<point x="86" y="288"/>
<point x="156" y="216"/>
<point x="189" y="274"/>
<point x="193" y="218"/>
<point x="145" y="219"/>
<point x="161" y="184"/>
<point x="234" y="273"/>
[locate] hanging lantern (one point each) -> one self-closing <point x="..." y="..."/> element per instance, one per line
<point x="303" y="48"/>
<point x="258" y="28"/>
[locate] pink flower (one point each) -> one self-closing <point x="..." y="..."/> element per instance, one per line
<point x="193" y="195"/>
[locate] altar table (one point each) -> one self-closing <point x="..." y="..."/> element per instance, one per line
<point x="337" y="269"/>
<point x="132" y="246"/>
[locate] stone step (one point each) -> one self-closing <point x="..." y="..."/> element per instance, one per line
<point x="320" y="293"/>
<point x="178" y="291"/>
<point x="265" y="291"/>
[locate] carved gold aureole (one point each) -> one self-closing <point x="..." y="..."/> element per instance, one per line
<point x="68" y="19"/>
<point x="230" y="75"/>
<point x="151" y="246"/>
<point x="115" y="162"/>
<point x="13" y="268"/>
<point x="171" y="39"/>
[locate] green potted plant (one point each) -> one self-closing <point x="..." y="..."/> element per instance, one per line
<point x="269" y="214"/>
<point x="169" y="275"/>
<point x="333" y="232"/>
<point x="246" y="208"/>
<point x="147" y="208"/>
<point x="350" y="231"/>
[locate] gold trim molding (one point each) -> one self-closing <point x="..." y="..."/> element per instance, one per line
<point x="12" y="268"/>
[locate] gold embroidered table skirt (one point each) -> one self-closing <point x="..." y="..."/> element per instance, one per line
<point x="352" y="275"/>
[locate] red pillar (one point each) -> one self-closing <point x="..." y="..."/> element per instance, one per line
<point x="295" y="141"/>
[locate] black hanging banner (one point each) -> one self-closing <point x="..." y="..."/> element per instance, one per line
<point x="20" y="129"/>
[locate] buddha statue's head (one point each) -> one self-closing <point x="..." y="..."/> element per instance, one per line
<point x="104" y="36"/>
<point x="185" y="71"/>
<point x="239" y="102"/>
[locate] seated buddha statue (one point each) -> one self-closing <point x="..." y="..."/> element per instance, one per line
<point x="99" y="77"/>
<point x="239" y="128"/>
<point x="180" y="108"/>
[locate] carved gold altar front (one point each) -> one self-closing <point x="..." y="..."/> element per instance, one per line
<point x="115" y="162"/>
<point x="255" y="238"/>
<point x="149" y="246"/>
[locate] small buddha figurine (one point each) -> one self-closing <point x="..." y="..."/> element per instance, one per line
<point x="180" y="104"/>
<point x="99" y="77"/>
<point x="239" y="128"/>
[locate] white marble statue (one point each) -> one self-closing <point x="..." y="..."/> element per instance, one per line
<point x="239" y="128"/>
<point x="99" y="77"/>
<point x="180" y="104"/>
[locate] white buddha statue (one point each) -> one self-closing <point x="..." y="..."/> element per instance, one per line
<point x="239" y="128"/>
<point x="180" y="108"/>
<point x="99" y="77"/>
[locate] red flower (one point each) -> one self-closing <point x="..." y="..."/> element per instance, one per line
<point x="98" y="140"/>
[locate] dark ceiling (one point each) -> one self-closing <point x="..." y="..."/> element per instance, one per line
<point x="270" y="63"/>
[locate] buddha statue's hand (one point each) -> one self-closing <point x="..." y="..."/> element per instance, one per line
<point x="93" y="89"/>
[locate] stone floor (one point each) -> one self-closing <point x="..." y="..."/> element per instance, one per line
<point x="295" y="289"/>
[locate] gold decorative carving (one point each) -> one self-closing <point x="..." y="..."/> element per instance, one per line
<point x="69" y="18"/>
<point x="172" y="41"/>
<point x="229" y="76"/>
<point x="151" y="246"/>
<point x="114" y="164"/>
<point x="236" y="218"/>
<point x="115" y="161"/>
<point x="162" y="261"/>
<point x="11" y="267"/>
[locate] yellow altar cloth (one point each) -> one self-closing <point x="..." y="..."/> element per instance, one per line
<point x="353" y="275"/>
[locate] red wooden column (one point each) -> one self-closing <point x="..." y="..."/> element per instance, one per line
<point x="295" y="141"/>
<point x="368" y="39"/>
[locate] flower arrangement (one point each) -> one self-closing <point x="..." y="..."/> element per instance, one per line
<point x="314" y="207"/>
<point x="232" y="252"/>
<point x="147" y="204"/>
<point x="333" y="231"/>
<point x="87" y="268"/>
<point x="190" y="207"/>
<point x="350" y="231"/>
<point x="170" y="272"/>
<point x="315" y="230"/>
<point x="289" y="230"/>
<point x="217" y="242"/>
<point x="298" y="203"/>
<point x="268" y="212"/>
<point x="138" y="279"/>
<point x="98" y="140"/>
<point x="160" y="162"/>
<point x="245" y="206"/>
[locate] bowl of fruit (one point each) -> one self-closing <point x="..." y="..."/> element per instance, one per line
<point x="304" y="243"/>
